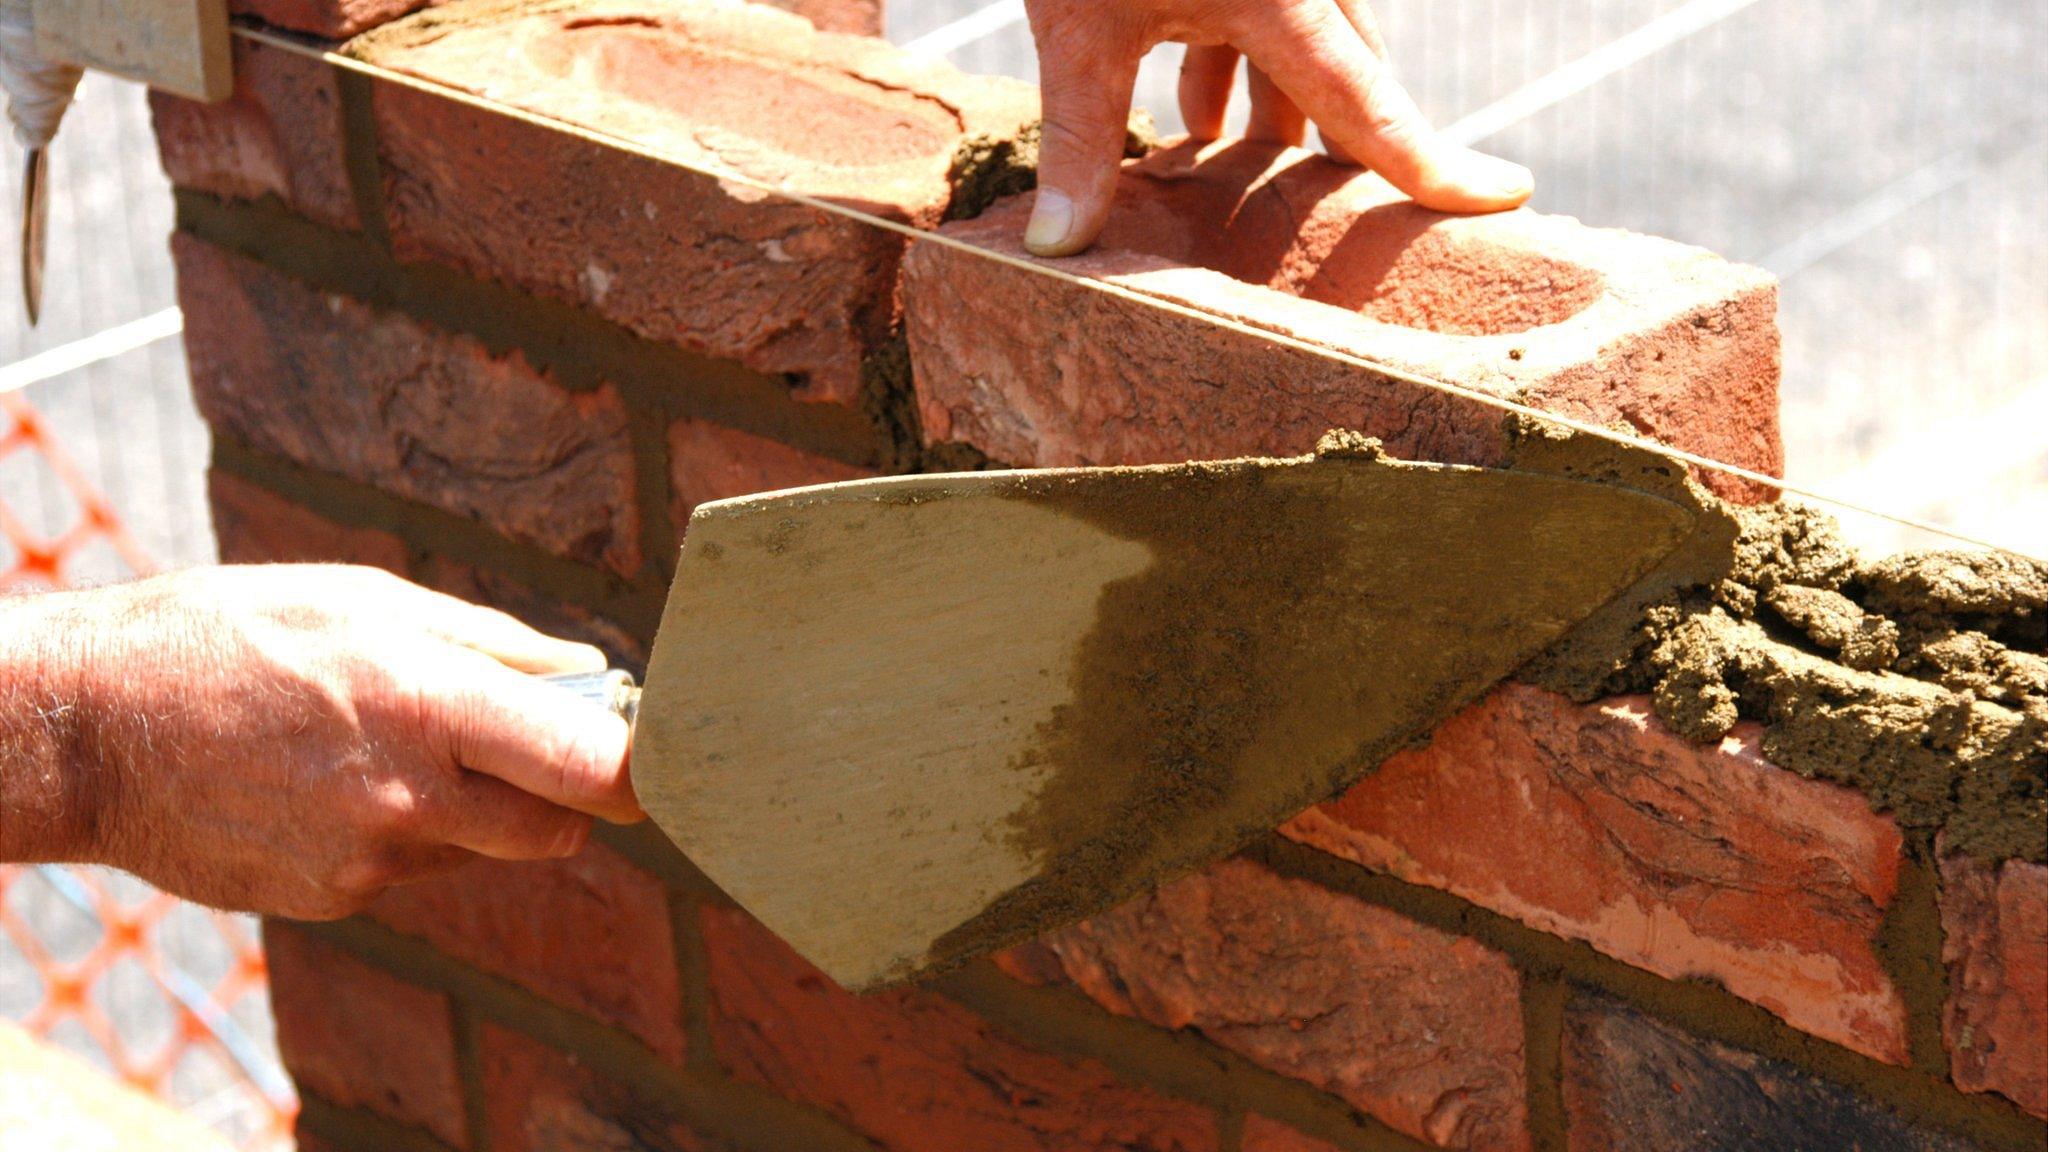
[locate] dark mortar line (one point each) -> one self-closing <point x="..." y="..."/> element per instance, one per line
<point x="360" y="1130"/>
<point x="1909" y="949"/>
<point x="650" y="850"/>
<point x="470" y="1075"/>
<point x="579" y="350"/>
<point x="1179" y="1064"/>
<point x="359" y="155"/>
<point x="660" y="543"/>
<point x="632" y="605"/>
<point x="1543" y="999"/>
<point x="730" y="1110"/>
<point x="1697" y="1007"/>
<point x="687" y="892"/>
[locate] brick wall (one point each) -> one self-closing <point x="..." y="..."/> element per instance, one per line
<point x="507" y="363"/>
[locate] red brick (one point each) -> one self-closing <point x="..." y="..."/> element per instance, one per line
<point x="1995" y="926"/>
<point x="710" y="462"/>
<point x="1597" y="823"/>
<point x="384" y="400"/>
<point x="333" y="19"/>
<point x="278" y="134"/>
<point x="1263" y="1135"/>
<point x="1418" y="1028"/>
<point x="539" y="1100"/>
<point x="257" y="526"/>
<point x="915" y="1072"/>
<point x="360" y="1037"/>
<point x="549" y="615"/>
<point x="1601" y="325"/>
<point x="591" y="933"/>
<point x="1632" y="1084"/>
<point x="674" y="256"/>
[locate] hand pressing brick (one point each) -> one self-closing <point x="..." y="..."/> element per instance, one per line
<point x="715" y="267"/>
<point x="1600" y="325"/>
<point x="1417" y="1028"/>
<point x="1598" y="823"/>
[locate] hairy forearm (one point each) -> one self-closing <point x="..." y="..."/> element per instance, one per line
<point x="51" y="787"/>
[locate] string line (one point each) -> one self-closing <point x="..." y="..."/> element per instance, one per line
<point x="1093" y="284"/>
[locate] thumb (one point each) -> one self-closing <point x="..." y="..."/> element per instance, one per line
<point x="1086" y="79"/>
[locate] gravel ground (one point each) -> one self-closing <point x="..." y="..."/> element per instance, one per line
<point x="1886" y="160"/>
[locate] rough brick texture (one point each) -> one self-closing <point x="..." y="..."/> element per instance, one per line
<point x="649" y="244"/>
<point x="1263" y="1135"/>
<point x="915" y="1072"/>
<point x="539" y="1100"/>
<point x="379" y="398"/>
<point x="1634" y="1085"/>
<point x="709" y="462"/>
<point x="1598" y="823"/>
<point x="1995" y="924"/>
<point x="257" y="526"/>
<point x="334" y="19"/>
<point x="279" y="134"/>
<point x="591" y="933"/>
<point x="1418" y="1028"/>
<point x="359" y="1036"/>
<point x="1604" y="326"/>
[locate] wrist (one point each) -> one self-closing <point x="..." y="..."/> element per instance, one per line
<point x="56" y="786"/>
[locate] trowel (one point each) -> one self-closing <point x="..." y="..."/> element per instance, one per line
<point x="907" y="721"/>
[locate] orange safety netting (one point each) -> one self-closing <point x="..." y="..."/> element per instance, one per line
<point x="109" y="957"/>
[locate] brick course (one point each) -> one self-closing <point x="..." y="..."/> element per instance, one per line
<point x="1418" y="1028"/>
<point x="539" y="1100"/>
<point x="630" y="238"/>
<point x="376" y="397"/>
<point x="914" y="1072"/>
<point x="1596" y="822"/>
<point x="708" y="462"/>
<point x="256" y="526"/>
<point x="591" y="933"/>
<point x="360" y="1036"/>
<point x="1996" y="948"/>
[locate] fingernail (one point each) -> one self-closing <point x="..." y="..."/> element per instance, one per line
<point x="1052" y="221"/>
<point x="1496" y="178"/>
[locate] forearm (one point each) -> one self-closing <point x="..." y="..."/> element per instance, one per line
<point x="51" y="786"/>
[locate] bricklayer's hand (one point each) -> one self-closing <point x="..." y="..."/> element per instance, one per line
<point x="1320" y="60"/>
<point x="293" y="739"/>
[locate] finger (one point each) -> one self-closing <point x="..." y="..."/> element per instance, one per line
<point x="492" y="818"/>
<point x="1275" y="117"/>
<point x="1368" y="26"/>
<point x="496" y="634"/>
<point x="1207" y="74"/>
<point x="533" y="736"/>
<point x="1323" y="63"/>
<point x="1087" y="71"/>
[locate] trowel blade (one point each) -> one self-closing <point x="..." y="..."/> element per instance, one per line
<point x="907" y="721"/>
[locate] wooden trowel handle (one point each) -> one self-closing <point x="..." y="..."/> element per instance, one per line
<point x="612" y="688"/>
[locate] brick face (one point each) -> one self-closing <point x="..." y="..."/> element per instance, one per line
<point x="1263" y="1135"/>
<point x="1418" y="1028"/>
<point x="376" y="397"/>
<point x="591" y="933"/>
<point x="256" y="526"/>
<point x="1597" y="823"/>
<point x="1634" y="1085"/>
<point x="1600" y="325"/>
<point x="1995" y="925"/>
<point x="709" y="462"/>
<point x="540" y="1100"/>
<point x="278" y="134"/>
<point x="914" y="1072"/>
<point x="629" y="238"/>
<point x="360" y="1037"/>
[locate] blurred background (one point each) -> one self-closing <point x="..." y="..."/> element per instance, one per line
<point x="1887" y="161"/>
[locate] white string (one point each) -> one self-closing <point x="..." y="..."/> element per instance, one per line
<point x="86" y="351"/>
<point x="976" y="25"/>
<point x="38" y="90"/>
<point x="1104" y="287"/>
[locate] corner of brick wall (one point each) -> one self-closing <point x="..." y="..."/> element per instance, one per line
<point x="508" y="362"/>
